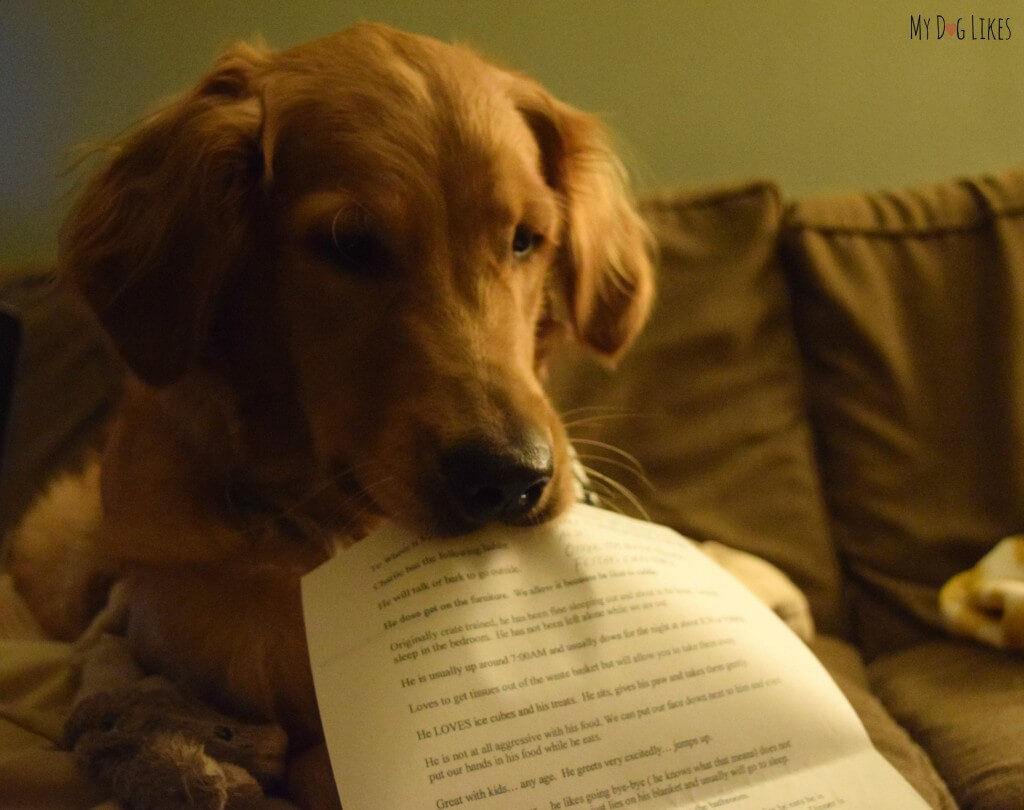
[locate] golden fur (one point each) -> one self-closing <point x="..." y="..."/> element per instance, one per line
<point x="325" y="268"/>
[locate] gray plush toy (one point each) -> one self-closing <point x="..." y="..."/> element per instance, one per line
<point x="155" y="748"/>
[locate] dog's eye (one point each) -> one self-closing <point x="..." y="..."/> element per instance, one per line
<point x="355" y="252"/>
<point x="524" y="241"/>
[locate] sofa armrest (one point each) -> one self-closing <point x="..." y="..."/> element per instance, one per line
<point x="63" y="377"/>
<point x="10" y="342"/>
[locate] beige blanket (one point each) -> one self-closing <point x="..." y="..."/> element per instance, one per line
<point x="38" y="684"/>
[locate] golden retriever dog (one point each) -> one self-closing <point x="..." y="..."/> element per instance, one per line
<point x="334" y="273"/>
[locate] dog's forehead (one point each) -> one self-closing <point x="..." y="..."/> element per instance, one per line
<point x="376" y="106"/>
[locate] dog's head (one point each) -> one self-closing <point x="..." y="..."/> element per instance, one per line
<point x="379" y="238"/>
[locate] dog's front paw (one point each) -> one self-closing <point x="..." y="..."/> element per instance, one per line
<point x="768" y="584"/>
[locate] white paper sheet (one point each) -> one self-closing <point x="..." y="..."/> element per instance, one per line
<point x="598" y="662"/>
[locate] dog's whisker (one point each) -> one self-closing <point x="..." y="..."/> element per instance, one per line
<point x="356" y="505"/>
<point x="590" y="447"/>
<point x="356" y="518"/>
<point x="621" y="489"/>
<point x="611" y="448"/>
<point x="634" y="471"/>
<point x="365" y="493"/>
<point x="319" y="488"/>
<point x="367" y="488"/>
<point x="610" y="499"/>
<point x="595" y="420"/>
<point x="601" y="409"/>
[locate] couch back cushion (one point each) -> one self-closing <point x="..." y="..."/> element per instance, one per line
<point x="909" y="310"/>
<point x="709" y="401"/>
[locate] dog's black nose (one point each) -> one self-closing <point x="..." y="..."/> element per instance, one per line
<point x="491" y="482"/>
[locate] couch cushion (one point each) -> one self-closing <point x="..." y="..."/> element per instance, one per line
<point x="963" y="703"/>
<point x="65" y="378"/>
<point x="845" y="666"/>
<point x="909" y="309"/>
<point x="709" y="400"/>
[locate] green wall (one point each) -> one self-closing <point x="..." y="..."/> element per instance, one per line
<point x="821" y="95"/>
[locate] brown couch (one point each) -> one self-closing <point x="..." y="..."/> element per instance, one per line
<point x="835" y="384"/>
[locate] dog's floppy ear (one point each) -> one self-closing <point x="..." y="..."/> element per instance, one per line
<point x="606" y="249"/>
<point x="152" y="238"/>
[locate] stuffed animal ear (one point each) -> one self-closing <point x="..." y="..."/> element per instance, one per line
<point x="606" y="250"/>
<point x="152" y="240"/>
